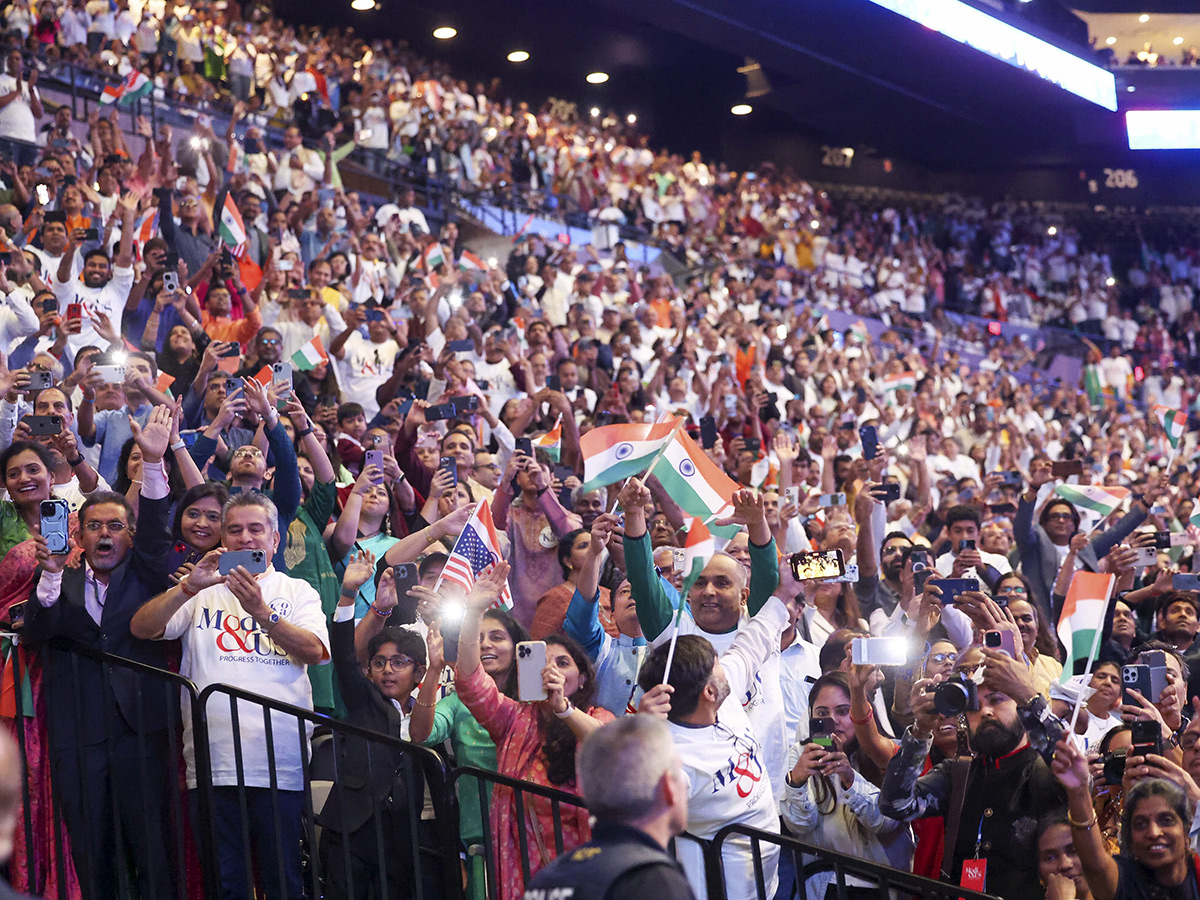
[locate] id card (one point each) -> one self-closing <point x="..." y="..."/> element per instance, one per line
<point x="974" y="875"/>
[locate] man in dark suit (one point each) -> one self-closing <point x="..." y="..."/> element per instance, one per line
<point x="366" y="819"/>
<point x="108" y="726"/>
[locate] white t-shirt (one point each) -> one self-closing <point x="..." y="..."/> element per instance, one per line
<point x="16" y="119"/>
<point x="727" y="772"/>
<point x="224" y="645"/>
<point x="109" y="299"/>
<point x="366" y="365"/>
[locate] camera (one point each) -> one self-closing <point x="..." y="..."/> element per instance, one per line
<point x="524" y="651"/>
<point x="957" y="694"/>
<point x="1114" y="766"/>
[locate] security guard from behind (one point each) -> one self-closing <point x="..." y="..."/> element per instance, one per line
<point x="632" y="779"/>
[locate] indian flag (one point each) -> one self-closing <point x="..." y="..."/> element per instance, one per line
<point x="698" y="549"/>
<point x="900" y="381"/>
<point x="469" y="262"/>
<point x="310" y="356"/>
<point x="696" y="483"/>
<point x="613" y="453"/>
<point x="1172" y="421"/>
<point x="1096" y="498"/>
<point x="551" y="441"/>
<point x="147" y="226"/>
<point x="134" y="85"/>
<point x="434" y="256"/>
<point x="1082" y="618"/>
<point x="232" y="228"/>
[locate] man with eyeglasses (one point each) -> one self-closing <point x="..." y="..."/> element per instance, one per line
<point x="376" y="784"/>
<point x="486" y="470"/>
<point x="108" y="729"/>
<point x="1043" y="545"/>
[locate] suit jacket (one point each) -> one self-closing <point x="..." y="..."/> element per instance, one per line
<point x="78" y="705"/>
<point x="367" y="773"/>
<point x="1039" y="558"/>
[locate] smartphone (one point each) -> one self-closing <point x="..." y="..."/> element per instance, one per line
<point x="809" y="566"/>
<point x="553" y="383"/>
<point x="170" y="282"/>
<point x="1011" y="479"/>
<point x="463" y="347"/>
<point x="1146" y="556"/>
<point x="524" y="445"/>
<point x="74" y="310"/>
<point x="69" y="180"/>
<point x="405" y="577"/>
<point x="285" y="265"/>
<point x="886" y="493"/>
<point x="91" y="234"/>
<point x="952" y="587"/>
<point x="1114" y="766"/>
<point x="54" y="526"/>
<point x="708" y="432"/>
<point x="1137" y="678"/>
<point x="40" y="426"/>
<point x="253" y="561"/>
<point x="440" y="412"/>
<point x="965" y="544"/>
<point x="43" y="195"/>
<point x="1146" y="738"/>
<point x="920" y="560"/>
<point x="298" y="293"/>
<point x="820" y="731"/>
<point x="49" y="305"/>
<point x="1002" y="509"/>
<point x="450" y="464"/>
<point x="1164" y="540"/>
<point x="374" y="458"/>
<point x="111" y="374"/>
<point x="879" y="651"/>
<point x="451" y="625"/>
<point x="1064" y="468"/>
<point x="531" y="660"/>
<point x="232" y="348"/>
<point x="282" y="371"/>
<point x="1185" y="581"/>
<point x="826" y="500"/>
<point x="792" y="495"/>
<point x="870" y="441"/>
<point x="851" y="576"/>
<point x="1002" y="641"/>
<point x="39" y="381"/>
<point x="374" y="315"/>
<point x="731" y="403"/>
<point x="1157" y="661"/>
<point x="16" y="613"/>
<point x="469" y="403"/>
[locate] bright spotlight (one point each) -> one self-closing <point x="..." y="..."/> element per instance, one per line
<point x="444" y="33"/>
<point x="741" y="109"/>
<point x="518" y="56"/>
<point x="1110" y="40"/>
<point x="597" y="77"/>
<point x="1144" y="18"/>
<point x="1052" y="231"/>
<point x="631" y="119"/>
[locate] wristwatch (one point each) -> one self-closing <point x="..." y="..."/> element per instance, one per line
<point x="272" y="621"/>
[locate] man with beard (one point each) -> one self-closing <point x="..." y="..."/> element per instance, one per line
<point x="54" y="245"/>
<point x="268" y="350"/>
<point x="1008" y="785"/>
<point x="105" y="287"/>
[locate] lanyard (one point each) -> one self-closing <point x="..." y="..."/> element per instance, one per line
<point x="979" y="837"/>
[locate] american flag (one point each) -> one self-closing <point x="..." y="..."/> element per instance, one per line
<point x="475" y="550"/>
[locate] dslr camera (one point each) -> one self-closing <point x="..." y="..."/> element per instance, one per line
<point x="957" y="694"/>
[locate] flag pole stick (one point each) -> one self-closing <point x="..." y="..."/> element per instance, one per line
<point x="666" y="679"/>
<point x="663" y="449"/>
<point x="1091" y="657"/>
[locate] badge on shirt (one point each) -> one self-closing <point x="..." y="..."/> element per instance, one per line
<point x="974" y="875"/>
<point x="547" y="538"/>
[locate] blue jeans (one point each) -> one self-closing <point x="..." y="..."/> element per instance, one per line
<point x="238" y="884"/>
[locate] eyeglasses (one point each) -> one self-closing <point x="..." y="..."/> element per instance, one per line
<point x="113" y="527"/>
<point x="1017" y="589"/>
<point x="379" y="663"/>
<point x="1188" y="741"/>
<point x="268" y="340"/>
<point x="944" y="657"/>
<point x="1059" y="516"/>
<point x="247" y="451"/>
<point x="495" y="466"/>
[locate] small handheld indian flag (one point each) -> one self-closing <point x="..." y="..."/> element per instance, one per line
<point x="1081" y="624"/>
<point x="900" y="381"/>
<point x="551" y="441"/>
<point x="147" y="226"/>
<point x="1095" y="502"/>
<point x="134" y="86"/>
<point x="1172" y="421"/>
<point x="696" y="483"/>
<point x="698" y="549"/>
<point x="434" y="256"/>
<point x="310" y="356"/>
<point x="232" y="228"/>
<point x="469" y="262"/>
<point x="612" y="453"/>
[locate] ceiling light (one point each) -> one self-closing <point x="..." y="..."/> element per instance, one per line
<point x="631" y="119"/>
<point x="1131" y="89"/>
<point x="1177" y="41"/>
<point x="444" y="33"/>
<point x="1144" y="17"/>
<point x="1052" y="231"/>
<point x="518" y="56"/>
<point x="595" y="111"/>
<point x="362" y="5"/>
<point x="1110" y="41"/>
<point x="741" y="109"/>
<point x="1110" y="281"/>
<point x="597" y="77"/>
<point x="815" y="224"/>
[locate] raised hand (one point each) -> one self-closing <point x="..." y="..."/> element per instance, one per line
<point x="488" y="587"/>
<point x="155" y="437"/>
<point x="359" y="571"/>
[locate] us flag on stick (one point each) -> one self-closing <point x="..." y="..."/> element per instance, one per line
<point x="475" y="550"/>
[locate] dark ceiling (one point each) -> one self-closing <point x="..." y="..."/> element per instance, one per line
<point x="844" y="72"/>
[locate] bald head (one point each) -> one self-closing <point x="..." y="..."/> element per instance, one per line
<point x="719" y="594"/>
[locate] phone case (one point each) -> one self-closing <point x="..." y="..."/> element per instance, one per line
<point x="55" y="526"/>
<point x="531" y="660"/>
<point x="253" y="561"/>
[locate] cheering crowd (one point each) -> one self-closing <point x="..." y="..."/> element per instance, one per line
<point x="892" y="589"/>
